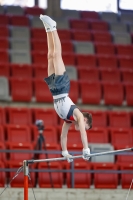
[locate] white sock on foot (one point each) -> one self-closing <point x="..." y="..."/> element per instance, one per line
<point x="49" y="24"/>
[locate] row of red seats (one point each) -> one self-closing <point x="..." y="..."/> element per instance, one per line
<point x="81" y="180"/>
<point x="24" y="134"/>
<point x="85" y="24"/>
<point x="65" y="35"/>
<point x="97" y="36"/>
<point x="68" y="46"/>
<point x="113" y="61"/>
<point x="83" y="73"/>
<point x="90" y="92"/>
<point x="28" y="116"/>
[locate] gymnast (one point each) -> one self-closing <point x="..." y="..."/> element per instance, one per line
<point x="59" y="85"/>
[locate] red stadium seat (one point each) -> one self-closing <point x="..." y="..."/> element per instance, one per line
<point x="125" y="62"/>
<point x="110" y="74"/>
<point x="102" y="37"/>
<point x="44" y="177"/>
<point x="107" y="61"/>
<point x="2" y="134"/>
<point x="50" y="135"/>
<point x="19" y="116"/>
<point x="48" y="116"/>
<point x="4" y="70"/>
<point x="2" y="175"/>
<point x="81" y="35"/>
<point x="119" y="119"/>
<point x="65" y="35"/>
<point x="41" y="45"/>
<point x="4" y="31"/>
<point x="39" y="34"/>
<point x="4" y="57"/>
<point x="21" y="89"/>
<point x="105" y="48"/>
<point x="79" y="24"/>
<point x="18" y="133"/>
<point x="124" y="50"/>
<point x="129" y="93"/>
<point x="90" y="92"/>
<point x="2" y="154"/>
<point x="69" y="58"/>
<point x="4" y="20"/>
<point x="24" y="154"/>
<point x="50" y="148"/>
<point x="81" y="180"/>
<point x="99" y="25"/>
<point x="126" y="178"/>
<point x="121" y="136"/>
<point x="91" y="74"/>
<point x="124" y="158"/>
<point x="18" y="182"/>
<point x="4" y="43"/>
<point x="19" y="20"/>
<point x="40" y="71"/>
<point x="89" y="15"/>
<point x="98" y="135"/>
<point x="75" y="139"/>
<point x="99" y="118"/>
<point x="67" y="47"/>
<point x="86" y="60"/>
<point x="42" y="92"/>
<point x="2" y="116"/>
<point x="127" y="75"/>
<point x="21" y="71"/>
<point x="34" y="10"/>
<point x="74" y="91"/>
<point x="39" y="57"/>
<point x="113" y="93"/>
<point x="105" y="180"/>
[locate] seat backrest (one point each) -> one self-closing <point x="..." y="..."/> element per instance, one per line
<point x="18" y="133"/>
<point x="23" y="57"/>
<point x="84" y="47"/>
<point x="21" y="71"/>
<point x="14" y="10"/>
<point x="4" y="89"/>
<point x="122" y="38"/>
<point x="36" y="22"/>
<point x="98" y="135"/>
<point x="119" y="119"/>
<point x="72" y="72"/>
<point x="20" y="45"/>
<point x="2" y="116"/>
<point x="109" y="16"/>
<point x="118" y="27"/>
<point x="18" y="32"/>
<point x="95" y="148"/>
<point x="19" y="116"/>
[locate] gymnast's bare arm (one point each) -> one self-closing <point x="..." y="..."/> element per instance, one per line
<point x="64" y="133"/>
<point x="79" y="118"/>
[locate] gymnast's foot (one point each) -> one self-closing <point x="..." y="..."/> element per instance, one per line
<point x="49" y="24"/>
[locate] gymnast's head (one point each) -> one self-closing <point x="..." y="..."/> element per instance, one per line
<point x="87" y="120"/>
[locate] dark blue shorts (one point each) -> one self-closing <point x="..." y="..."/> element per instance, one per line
<point x="58" y="84"/>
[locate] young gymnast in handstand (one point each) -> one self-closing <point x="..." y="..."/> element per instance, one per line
<point x="59" y="85"/>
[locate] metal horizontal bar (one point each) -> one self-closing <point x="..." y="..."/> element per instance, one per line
<point x="79" y="156"/>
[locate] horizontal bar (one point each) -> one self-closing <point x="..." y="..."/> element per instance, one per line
<point x="79" y="156"/>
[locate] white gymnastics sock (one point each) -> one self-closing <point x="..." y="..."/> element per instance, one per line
<point x="49" y="24"/>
